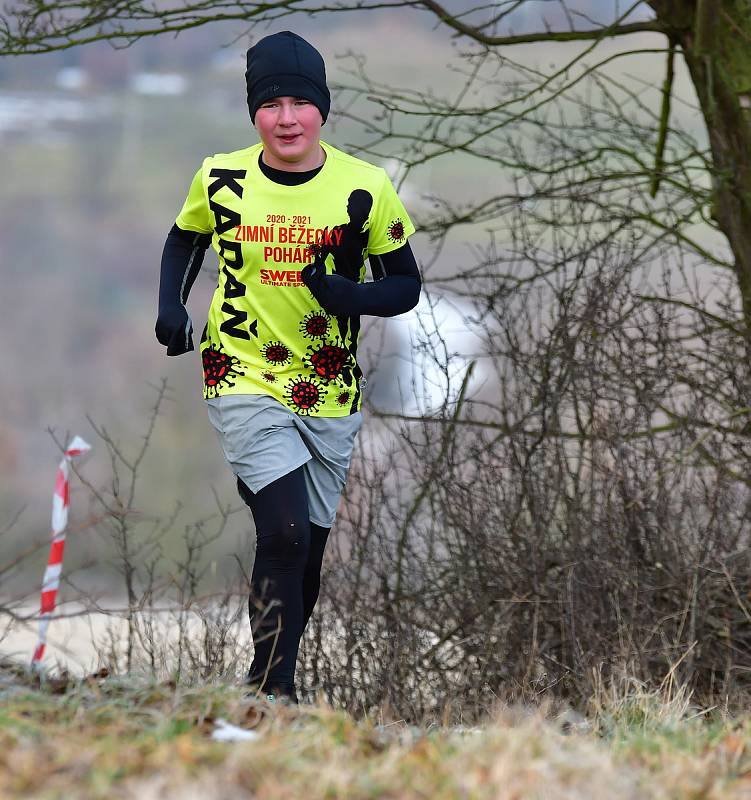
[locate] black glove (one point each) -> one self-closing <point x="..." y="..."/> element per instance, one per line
<point x="174" y="329"/>
<point x="337" y="295"/>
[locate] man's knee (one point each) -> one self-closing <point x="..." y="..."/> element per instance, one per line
<point x="288" y="541"/>
<point x="282" y="525"/>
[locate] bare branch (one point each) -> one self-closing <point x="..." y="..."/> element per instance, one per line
<point x="598" y="34"/>
<point x="662" y="136"/>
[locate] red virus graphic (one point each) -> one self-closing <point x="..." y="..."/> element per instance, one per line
<point x="315" y="325"/>
<point x="269" y="377"/>
<point x="218" y="370"/>
<point x="342" y="398"/>
<point x="276" y="353"/>
<point x="305" y="394"/>
<point x="314" y="250"/>
<point x="327" y="360"/>
<point x="395" y="231"/>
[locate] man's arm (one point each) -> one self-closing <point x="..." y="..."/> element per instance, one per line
<point x="181" y="262"/>
<point x="396" y="290"/>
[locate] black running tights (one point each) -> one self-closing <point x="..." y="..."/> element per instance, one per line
<point x="286" y="577"/>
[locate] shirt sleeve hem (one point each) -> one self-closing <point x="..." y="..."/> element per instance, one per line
<point x="187" y="227"/>
<point x="388" y="248"/>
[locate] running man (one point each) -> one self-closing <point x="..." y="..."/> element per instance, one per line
<point x="292" y="220"/>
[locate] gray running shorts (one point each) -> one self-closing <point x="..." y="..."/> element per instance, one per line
<point x="262" y="440"/>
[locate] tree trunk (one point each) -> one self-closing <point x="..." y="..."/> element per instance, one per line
<point x="715" y="36"/>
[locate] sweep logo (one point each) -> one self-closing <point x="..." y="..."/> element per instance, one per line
<point x="281" y="277"/>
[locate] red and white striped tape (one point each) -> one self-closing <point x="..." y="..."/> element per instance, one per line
<point x="51" y="581"/>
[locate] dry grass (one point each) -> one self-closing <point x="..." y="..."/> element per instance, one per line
<point x="112" y="738"/>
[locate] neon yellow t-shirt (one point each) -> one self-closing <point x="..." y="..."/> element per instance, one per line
<point x="266" y="333"/>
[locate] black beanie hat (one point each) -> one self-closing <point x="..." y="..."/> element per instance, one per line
<point x="285" y="65"/>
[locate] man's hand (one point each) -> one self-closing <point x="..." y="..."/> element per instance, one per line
<point x="174" y="329"/>
<point x="336" y="294"/>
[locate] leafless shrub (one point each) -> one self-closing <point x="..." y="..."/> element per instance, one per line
<point x="583" y="513"/>
<point x="166" y="612"/>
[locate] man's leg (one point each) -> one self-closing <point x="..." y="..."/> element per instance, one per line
<point x="280" y="512"/>
<point x="330" y="441"/>
<point x="312" y="578"/>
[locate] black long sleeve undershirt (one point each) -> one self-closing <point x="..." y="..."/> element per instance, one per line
<point x="396" y="290"/>
<point x="182" y="258"/>
<point x="181" y="262"/>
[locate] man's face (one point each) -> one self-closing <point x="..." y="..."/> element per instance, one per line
<point x="290" y="129"/>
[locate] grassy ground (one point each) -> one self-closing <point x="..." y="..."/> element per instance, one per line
<point x="110" y="738"/>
